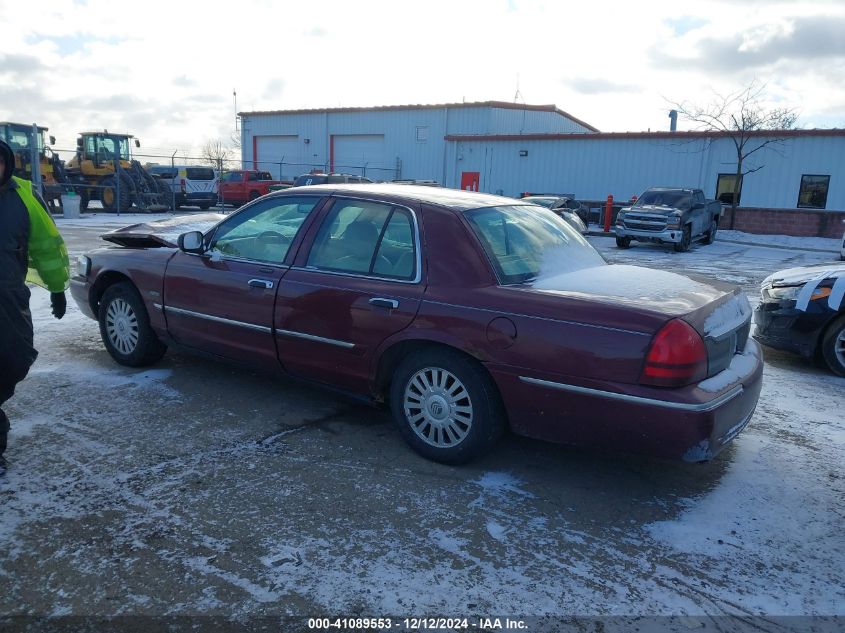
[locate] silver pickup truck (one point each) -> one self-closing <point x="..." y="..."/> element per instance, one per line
<point x="669" y="215"/>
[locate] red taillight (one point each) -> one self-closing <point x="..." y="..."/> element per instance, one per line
<point x="182" y="185"/>
<point x="677" y="357"/>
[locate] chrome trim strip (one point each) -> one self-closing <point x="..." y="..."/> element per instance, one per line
<point x="683" y="406"/>
<point x="316" y="339"/>
<point x="216" y="319"/>
<point x="157" y="306"/>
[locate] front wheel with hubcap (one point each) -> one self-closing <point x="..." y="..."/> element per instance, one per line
<point x="686" y="240"/>
<point x="446" y="406"/>
<point x="125" y="327"/>
<point x="833" y="346"/>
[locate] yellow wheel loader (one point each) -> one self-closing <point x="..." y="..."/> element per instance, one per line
<point x="22" y="139"/>
<point x="105" y="170"/>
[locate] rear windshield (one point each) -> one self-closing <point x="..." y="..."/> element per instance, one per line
<point x="199" y="173"/>
<point x="310" y="179"/>
<point x="674" y="199"/>
<point x="524" y="243"/>
<point x="164" y="172"/>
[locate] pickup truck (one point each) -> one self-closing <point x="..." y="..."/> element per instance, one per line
<point x="669" y="215"/>
<point x="239" y="186"/>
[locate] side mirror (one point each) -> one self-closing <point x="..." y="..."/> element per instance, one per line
<point x="52" y="140"/>
<point x="697" y="205"/>
<point x="137" y="143"/>
<point x="191" y="242"/>
<point x="79" y="143"/>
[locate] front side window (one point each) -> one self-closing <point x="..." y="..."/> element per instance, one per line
<point x="366" y="238"/>
<point x="265" y="231"/>
<point x="813" y="192"/>
<point x="524" y="243"/>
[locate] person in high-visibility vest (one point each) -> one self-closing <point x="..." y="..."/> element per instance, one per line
<point x="31" y="250"/>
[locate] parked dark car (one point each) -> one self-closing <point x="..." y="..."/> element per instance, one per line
<point x="802" y="310"/>
<point x="669" y="215"/>
<point x="567" y="208"/>
<point x="466" y="313"/>
<point x="323" y="179"/>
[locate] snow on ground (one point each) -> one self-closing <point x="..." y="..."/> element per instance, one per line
<point x="807" y="243"/>
<point x="192" y="488"/>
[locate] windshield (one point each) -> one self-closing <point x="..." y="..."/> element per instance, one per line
<point x="543" y="202"/>
<point x="524" y="243"/>
<point x="675" y="199"/>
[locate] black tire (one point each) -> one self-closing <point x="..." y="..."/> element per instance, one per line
<point x="205" y="206"/>
<point x="253" y="195"/>
<point x="166" y="193"/>
<point x="466" y="384"/>
<point x="623" y="242"/>
<point x="109" y="196"/>
<point x="686" y="240"/>
<point x="84" y="199"/>
<point x="833" y="346"/>
<point x="711" y="232"/>
<point x="121" y="314"/>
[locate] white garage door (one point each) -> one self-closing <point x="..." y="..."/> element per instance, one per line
<point x="273" y="150"/>
<point x="357" y="153"/>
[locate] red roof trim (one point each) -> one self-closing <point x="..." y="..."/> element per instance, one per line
<point x="474" y="104"/>
<point x="634" y="135"/>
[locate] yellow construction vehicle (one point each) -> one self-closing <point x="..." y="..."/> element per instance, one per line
<point x="103" y="169"/>
<point x="23" y="139"/>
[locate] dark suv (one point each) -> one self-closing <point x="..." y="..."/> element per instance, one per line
<point x="323" y="179"/>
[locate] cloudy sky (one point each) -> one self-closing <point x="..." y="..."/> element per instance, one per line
<point x="166" y="71"/>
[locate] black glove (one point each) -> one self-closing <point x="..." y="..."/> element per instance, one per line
<point x="59" y="303"/>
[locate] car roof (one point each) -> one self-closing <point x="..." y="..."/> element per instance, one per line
<point x="453" y="198"/>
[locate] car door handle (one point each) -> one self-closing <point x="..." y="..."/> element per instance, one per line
<point x="384" y="303"/>
<point x="261" y="283"/>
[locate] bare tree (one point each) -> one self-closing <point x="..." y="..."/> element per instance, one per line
<point x="216" y="153"/>
<point x="742" y="116"/>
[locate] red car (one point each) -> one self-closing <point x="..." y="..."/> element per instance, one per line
<point x="240" y="186"/>
<point x="466" y="313"/>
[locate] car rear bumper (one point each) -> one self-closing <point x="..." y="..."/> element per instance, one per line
<point x="669" y="235"/>
<point x="692" y="423"/>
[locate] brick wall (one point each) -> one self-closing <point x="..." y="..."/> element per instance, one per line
<point x="797" y="222"/>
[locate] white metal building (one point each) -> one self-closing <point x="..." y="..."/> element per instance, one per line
<point x="511" y="148"/>
<point x="385" y="143"/>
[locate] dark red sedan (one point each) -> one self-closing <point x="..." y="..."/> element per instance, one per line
<point x="466" y="313"/>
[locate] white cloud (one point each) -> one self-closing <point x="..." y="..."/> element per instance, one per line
<point x="166" y="72"/>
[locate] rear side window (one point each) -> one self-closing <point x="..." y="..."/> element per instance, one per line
<point x="309" y="179"/>
<point x="264" y="175"/>
<point x="232" y="176"/>
<point x="366" y="238"/>
<point x="199" y="173"/>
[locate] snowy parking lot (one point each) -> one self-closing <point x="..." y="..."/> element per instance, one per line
<point x="196" y="488"/>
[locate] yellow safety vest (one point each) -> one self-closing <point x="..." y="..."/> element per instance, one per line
<point x="49" y="266"/>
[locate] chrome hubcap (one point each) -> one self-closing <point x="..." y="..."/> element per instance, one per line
<point x="438" y="407"/>
<point x="839" y="347"/>
<point x="122" y="326"/>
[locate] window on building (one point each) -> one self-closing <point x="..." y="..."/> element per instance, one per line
<point x="725" y="188"/>
<point x="422" y="133"/>
<point x="813" y="191"/>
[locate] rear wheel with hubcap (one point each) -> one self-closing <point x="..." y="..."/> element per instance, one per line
<point x="446" y="406"/>
<point x="711" y="232"/>
<point x="125" y="327"/>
